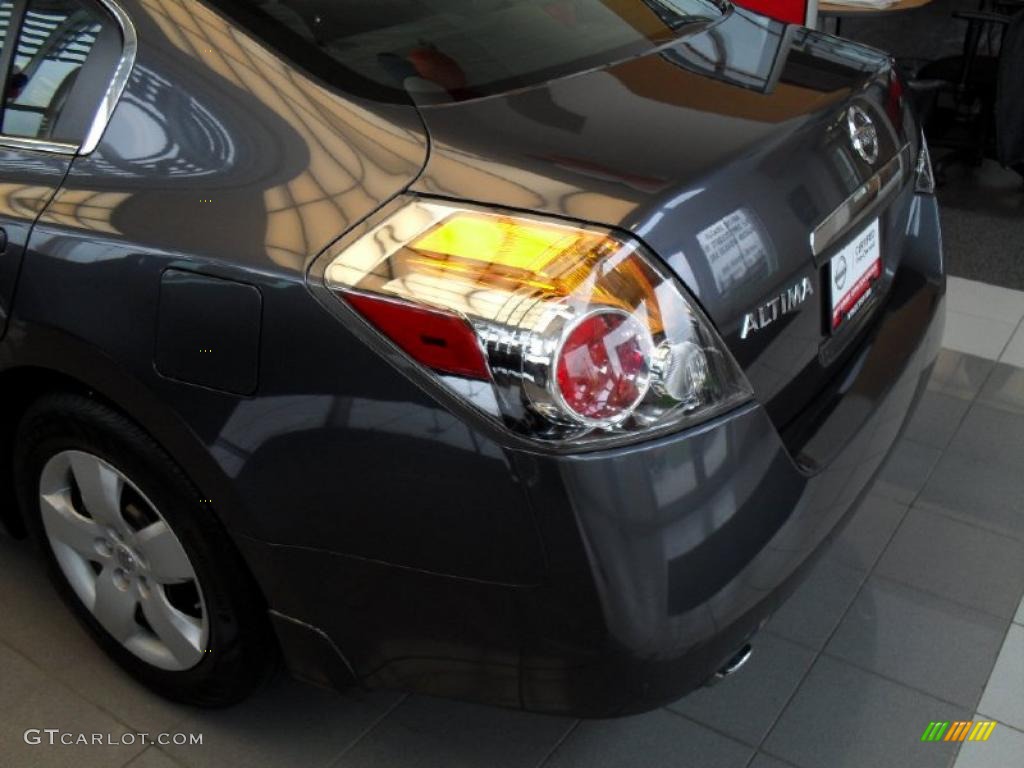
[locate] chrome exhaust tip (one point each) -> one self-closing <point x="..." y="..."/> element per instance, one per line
<point x="732" y="666"/>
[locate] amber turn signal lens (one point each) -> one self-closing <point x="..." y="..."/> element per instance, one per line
<point x="503" y="243"/>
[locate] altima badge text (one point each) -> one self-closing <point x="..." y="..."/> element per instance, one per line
<point x="770" y="311"/>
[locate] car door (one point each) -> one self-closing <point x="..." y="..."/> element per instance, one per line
<point x="59" y="62"/>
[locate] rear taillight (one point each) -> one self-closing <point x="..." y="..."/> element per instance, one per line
<point x="580" y="334"/>
<point x="895" y="100"/>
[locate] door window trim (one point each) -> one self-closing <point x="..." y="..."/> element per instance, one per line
<point x="108" y="102"/>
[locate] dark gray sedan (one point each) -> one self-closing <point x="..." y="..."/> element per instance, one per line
<point x="523" y="351"/>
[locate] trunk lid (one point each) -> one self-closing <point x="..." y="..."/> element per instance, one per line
<point x="724" y="153"/>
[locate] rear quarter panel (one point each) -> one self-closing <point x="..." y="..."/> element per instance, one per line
<point x="222" y="159"/>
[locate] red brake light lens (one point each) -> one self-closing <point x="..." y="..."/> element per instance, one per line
<point x="602" y="369"/>
<point x="438" y="340"/>
<point x="894" y="100"/>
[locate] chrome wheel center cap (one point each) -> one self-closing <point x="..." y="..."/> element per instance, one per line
<point x="125" y="559"/>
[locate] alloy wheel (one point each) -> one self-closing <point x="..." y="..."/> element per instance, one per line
<point x="122" y="559"/>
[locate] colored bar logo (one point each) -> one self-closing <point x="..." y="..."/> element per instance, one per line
<point x="959" y="730"/>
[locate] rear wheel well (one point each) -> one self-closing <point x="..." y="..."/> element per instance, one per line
<point x="204" y="603"/>
<point x="21" y="387"/>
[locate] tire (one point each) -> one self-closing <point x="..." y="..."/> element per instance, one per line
<point x="138" y="557"/>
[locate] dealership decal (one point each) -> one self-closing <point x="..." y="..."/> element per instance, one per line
<point x="854" y="272"/>
<point x="959" y="730"/>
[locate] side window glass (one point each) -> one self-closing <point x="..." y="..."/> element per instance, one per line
<point x="5" y="19"/>
<point x="56" y="39"/>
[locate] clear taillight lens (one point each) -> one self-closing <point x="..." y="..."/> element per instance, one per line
<point x="578" y="334"/>
<point x="924" y="175"/>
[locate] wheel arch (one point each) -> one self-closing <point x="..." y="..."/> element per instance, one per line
<point x="46" y="361"/>
<point x="22" y="386"/>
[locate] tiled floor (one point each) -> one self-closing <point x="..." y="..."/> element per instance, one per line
<point x="985" y="320"/>
<point x="908" y="618"/>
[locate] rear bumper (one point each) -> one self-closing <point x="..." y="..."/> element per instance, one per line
<point x="662" y="559"/>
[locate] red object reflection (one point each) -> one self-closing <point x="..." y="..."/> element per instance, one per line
<point x="793" y="11"/>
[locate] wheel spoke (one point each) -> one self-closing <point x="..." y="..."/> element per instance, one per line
<point x="163" y="553"/>
<point x="101" y="489"/>
<point x="67" y="527"/>
<point x="180" y="633"/>
<point x="114" y="608"/>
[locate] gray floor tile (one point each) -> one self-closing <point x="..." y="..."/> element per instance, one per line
<point x="1004" y="389"/>
<point x="288" y="723"/>
<point x="1019" y="618"/>
<point x="813" y="611"/>
<point x="843" y="717"/>
<point x="30" y="699"/>
<point x="35" y="620"/>
<point x="746" y="705"/>
<point x="153" y="758"/>
<point x="39" y="625"/>
<point x="926" y="642"/>
<point x="1003" y="699"/>
<point x="424" y="732"/>
<point x="655" y="740"/>
<point x="1004" y="749"/>
<point x="992" y="435"/>
<point x="1014" y="352"/>
<point x="936" y="419"/>
<point x="19" y="674"/>
<point x="980" y="298"/>
<point x="983" y="492"/>
<point x="957" y="561"/>
<point x="959" y="374"/>
<point x="95" y="677"/>
<point x="982" y="336"/>
<point x="866" y="535"/>
<point x="906" y="470"/>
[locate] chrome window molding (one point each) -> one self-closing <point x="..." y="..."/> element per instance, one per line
<point x="866" y="197"/>
<point x="38" y="145"/>
<point x="118" y="81"/>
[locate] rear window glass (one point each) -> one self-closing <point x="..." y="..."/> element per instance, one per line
<point x="436" y="51"/>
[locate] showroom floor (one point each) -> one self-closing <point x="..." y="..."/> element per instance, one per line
<point x="908" y="619"/>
